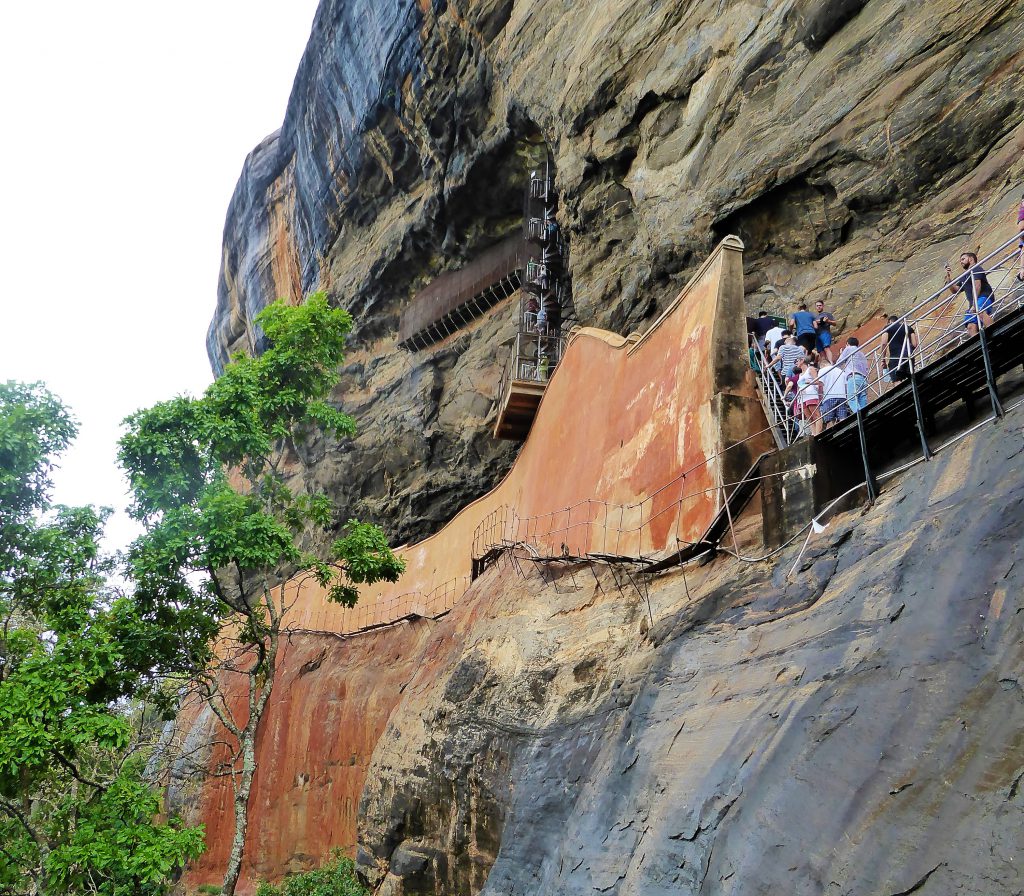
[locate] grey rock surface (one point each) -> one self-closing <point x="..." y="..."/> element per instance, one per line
<point x="856" y="730"/>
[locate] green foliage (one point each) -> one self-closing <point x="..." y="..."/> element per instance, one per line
<point x="115" y="849"/>
<point x="207" y="483"/>
<point x="34" y="428"/>
<point x="75" y="812"/>
<point x="335" y="878"/>
<point x="364" y="555"/>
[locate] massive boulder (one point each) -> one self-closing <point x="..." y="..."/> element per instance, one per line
<point x="852" y="145"/>
<point x="844" y="718"/>
<point x="854" y="729"/>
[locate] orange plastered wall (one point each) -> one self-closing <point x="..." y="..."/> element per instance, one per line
<point x="619" y="422"/>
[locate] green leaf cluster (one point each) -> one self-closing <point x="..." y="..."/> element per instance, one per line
<point x="210" y="484"/>
<point x="214" y="485"/>
<point x="76" y="814"/>
<point x="337" y="877"/>
<point x="115" y="849"/>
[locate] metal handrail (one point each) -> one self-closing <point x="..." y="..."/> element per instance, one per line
<point x="937" y="322"/>
<point x="773" y="399"/>
<point x="536" y="229"/>
<point x="366" y="617"/>
<point x="540" y="187"/>
<point x="526" y="361"/>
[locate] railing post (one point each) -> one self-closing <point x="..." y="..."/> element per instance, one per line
<point x="919" y="411"/>
<point x="990" y="379"/>
<point x="868" y="478"/>
<point x="732" y="528"/>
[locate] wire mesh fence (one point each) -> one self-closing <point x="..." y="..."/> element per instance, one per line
<point x="458" y="291"/>
<point x="673" y="515"/>
<point x="334" y="619"/>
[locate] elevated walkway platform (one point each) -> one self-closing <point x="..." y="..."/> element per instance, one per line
<point x="960" y="375"/>
<point x="517" y="407"/>
<point x="535" y="354"/>
<point x="936" y="361"/>
<point x="456" y="298"/>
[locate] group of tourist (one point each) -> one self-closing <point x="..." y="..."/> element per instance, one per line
<point x="816" y="389"/>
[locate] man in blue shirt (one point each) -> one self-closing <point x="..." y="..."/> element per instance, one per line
<point x="802" y="322"/>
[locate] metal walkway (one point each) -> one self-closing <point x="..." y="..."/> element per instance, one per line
<point x="545" y="311"/>
<point x="456" y="298"/>
<point x="969" y="373"/>
<point x="948" y="365"/>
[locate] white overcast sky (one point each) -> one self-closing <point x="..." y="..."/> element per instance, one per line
<point x="123" y="128"/>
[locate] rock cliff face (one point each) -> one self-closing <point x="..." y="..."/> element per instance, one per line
<point x="852" y="145"/>
<point x="854" y="731"/>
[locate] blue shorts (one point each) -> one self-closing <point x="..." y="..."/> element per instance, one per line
<point x="824" y="339"/>
<point x="985" y="304"/>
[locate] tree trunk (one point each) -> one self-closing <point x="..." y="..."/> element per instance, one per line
<point x="258" y="698"/>
<point x="242" y="788"/>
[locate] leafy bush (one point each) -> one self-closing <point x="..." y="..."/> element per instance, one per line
<point x="335" y="878"/>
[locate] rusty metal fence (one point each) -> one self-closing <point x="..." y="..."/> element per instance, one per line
<point x="455" y="298"/>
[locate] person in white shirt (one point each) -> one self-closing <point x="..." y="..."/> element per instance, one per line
<point x="771" y="337"/>
<point x="855" y="363"/>
<point x="833" y="386"/>
<point x="808" y="398"/>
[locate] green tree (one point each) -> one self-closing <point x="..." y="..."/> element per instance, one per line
<point x="336" y="877"/>
<point x="76" y="813"/>
<point x="224" y="527"/>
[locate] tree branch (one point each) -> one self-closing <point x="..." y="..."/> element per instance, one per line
<point x="222" y="713"/>
<point x="14" y="812"/>
<point x="76" y="774"/>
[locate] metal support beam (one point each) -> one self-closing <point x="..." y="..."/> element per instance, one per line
<point x="990" y="379"/>
<point x="869" y="480"/>
<point x="919" y="412"/>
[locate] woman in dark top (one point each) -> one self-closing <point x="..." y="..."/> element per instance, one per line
<point x="901" y="340"/>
